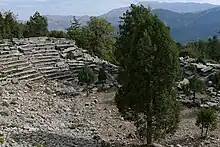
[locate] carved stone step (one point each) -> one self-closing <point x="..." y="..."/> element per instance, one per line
<point x="45" y="64"/>
<point x="36" y="78"/>
<point x="59" y="46"/>
<point x="50" y="71"/>
<point x="19" y="74"/>
<point x="32" y="76"/>
<point x="11" y="54"/>
<point x="44" y="54"/>
<point x="12" y="63"/>
<point x="58" y="72"/>
<point x="14" y="70"/>
<point x="47" y="57"/>
<point x="8" y="59"/>
<point x="39" y="52"/>
<point x="44" y="61"/>
<point x="47" y="68"/>
<point x="60" y="76"/>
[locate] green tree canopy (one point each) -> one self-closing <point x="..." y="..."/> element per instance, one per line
<point x="97" y="37"/>
<point x="148" y="58"/>
<point x="9" y="26"/>
<point x="37" y="26"/>
<point x="57" y="34"/>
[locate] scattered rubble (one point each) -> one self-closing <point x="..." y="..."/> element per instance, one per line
<point x="205" y="73"/>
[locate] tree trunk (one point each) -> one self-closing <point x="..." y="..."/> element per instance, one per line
<point x="87" y="90"/>
<point x="149" y="126"/>
<point x="202" y="131"/>
<point x="206" y="132"/>
<point x="149" y="131"/>
<point x="102" y="85"/>
<point x="194" y="97"/>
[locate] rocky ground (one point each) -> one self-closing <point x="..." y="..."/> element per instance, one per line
<point x="53" y="114"/>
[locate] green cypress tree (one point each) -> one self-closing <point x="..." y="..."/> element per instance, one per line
<point x="37" y="26"/>
<point x="149" y="64"/>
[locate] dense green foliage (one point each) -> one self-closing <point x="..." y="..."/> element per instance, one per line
<point x="37" y="26"/>
<point x="57" y="34"/>
<point x="97" y="37"/>
<point x="203" y="50"/>
<point x="9" y="26"/>
<point x="86" y="76"/>
<point x="149" y="64"/>
<point x="206" y="119"/>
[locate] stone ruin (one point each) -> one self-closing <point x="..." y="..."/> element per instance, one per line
<point x="43" y="58"/>
<point x="205" y="73"/>
<point x="37" y="58"/>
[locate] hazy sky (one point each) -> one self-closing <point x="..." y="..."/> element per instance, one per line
<point x="25" y="8"/>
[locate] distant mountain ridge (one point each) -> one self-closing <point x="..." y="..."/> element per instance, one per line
<point x="180" y="7"/>
<point x="186" y="24"/>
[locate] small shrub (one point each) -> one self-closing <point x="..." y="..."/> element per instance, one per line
<point x="2" y="139"/>
<point x="40" y="145"/>
<point x="186" y="89"/>
<point x="102" y="76"/>
<point x="86" y="76"/>
<point x="57" y="34"/>
<point x="48" y="39"/>
<point x="206" y="119"/>
<point x="201" y="60"/>
<point x="196" y="85"/>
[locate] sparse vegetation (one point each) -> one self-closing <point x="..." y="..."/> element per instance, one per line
<point x="148" y="75"/>
<point x="196" y="85"/>
<point x="186" y="89"/>
<point x="216" y="82"/>
<point x="206" y="119"/>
